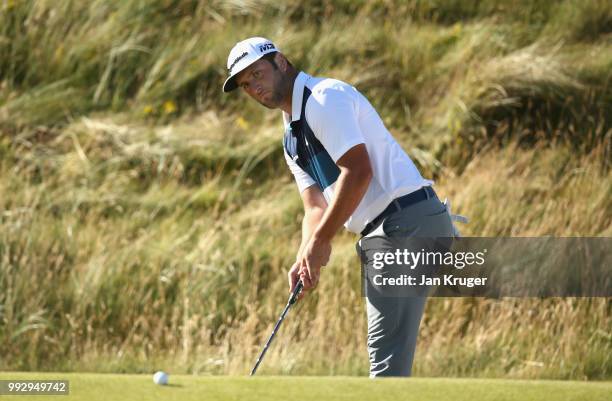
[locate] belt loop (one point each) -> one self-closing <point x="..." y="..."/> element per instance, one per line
<point x="397" y="204"/>
<point x="426" y="192"/>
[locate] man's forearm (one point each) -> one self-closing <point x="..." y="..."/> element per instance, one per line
<point x="351" y="186"/>
<point x="312" y="218"/>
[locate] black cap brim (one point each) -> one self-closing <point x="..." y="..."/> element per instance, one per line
<point x="230" y="84"/>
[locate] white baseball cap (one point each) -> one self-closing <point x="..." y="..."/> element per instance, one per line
<point x="243" y="54"/>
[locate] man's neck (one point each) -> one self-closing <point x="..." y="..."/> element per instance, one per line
<point x="287" y="104"/>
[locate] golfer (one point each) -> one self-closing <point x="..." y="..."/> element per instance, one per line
<point x="349" y="171"/>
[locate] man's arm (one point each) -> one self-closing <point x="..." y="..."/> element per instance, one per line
<point x="351" y="186"/>
<point x="314" y="208"/>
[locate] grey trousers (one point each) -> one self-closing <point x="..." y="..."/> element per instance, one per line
<point x="393" y="322"/>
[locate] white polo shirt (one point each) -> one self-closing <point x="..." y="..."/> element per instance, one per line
<point x="334" y="118"/>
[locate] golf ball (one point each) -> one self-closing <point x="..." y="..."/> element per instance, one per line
<point x="160" y="378"/>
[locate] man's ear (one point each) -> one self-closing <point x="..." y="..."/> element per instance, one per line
<point x="281" y="61"/>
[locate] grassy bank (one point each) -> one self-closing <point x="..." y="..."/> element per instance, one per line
<point x="148" y="220"/>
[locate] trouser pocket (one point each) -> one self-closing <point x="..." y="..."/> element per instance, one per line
<point x="429" y="218"/>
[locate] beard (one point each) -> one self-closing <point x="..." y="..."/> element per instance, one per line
<point x="275" y="99"/>
<point x="276" y="93"/>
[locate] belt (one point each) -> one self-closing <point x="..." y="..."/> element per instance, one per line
<point x="400" y="203"/>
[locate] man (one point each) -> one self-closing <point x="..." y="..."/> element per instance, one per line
<point x="349" y="171"/>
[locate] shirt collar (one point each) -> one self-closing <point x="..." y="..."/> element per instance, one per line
<point x="297" y="96"/>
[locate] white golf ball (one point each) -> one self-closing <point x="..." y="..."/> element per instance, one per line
<point x="160" y="378"/>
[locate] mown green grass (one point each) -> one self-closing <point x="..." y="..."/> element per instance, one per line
<point x="88" y="386"/>
<point x="143" y="210"/>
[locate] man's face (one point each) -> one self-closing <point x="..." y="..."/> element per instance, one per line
<point x="263" y="82"/>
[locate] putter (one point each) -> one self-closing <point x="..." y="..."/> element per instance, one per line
<point x="292" y="298"/>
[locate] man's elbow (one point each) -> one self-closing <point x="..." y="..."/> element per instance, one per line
<point x="364" y="174"/>
<point x="368" y="175"/>
<point x="356" y="163"/>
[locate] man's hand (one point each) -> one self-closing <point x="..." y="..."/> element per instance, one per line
<point x="308" y="267"/>
<point x="315" y="255"/>
<point x="293" y="276"/>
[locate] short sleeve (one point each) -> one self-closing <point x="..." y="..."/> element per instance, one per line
<point x="302" y="178"/>
<point x="333" y="117"/>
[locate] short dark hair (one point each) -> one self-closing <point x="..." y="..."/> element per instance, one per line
<point x="269" y="57"/>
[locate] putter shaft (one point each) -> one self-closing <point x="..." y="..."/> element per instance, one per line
<point x="292" y="299"/>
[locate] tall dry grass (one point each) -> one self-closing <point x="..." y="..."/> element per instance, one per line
<point x="146" y="220"/>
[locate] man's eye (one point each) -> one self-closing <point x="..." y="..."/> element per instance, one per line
<point x="257" y="74"/>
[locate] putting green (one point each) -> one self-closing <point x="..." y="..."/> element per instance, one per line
<point x="92" y="386"/>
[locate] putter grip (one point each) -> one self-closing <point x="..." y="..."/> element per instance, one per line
<point x="296" y="292"/>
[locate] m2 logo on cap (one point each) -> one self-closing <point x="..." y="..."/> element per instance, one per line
<point x="267" y="46"/>
<point x="243" y="55"/>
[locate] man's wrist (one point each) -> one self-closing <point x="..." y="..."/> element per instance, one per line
<point x="320" y="236"/>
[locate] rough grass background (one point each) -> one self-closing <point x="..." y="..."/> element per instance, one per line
<point x="147" y="220"/>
